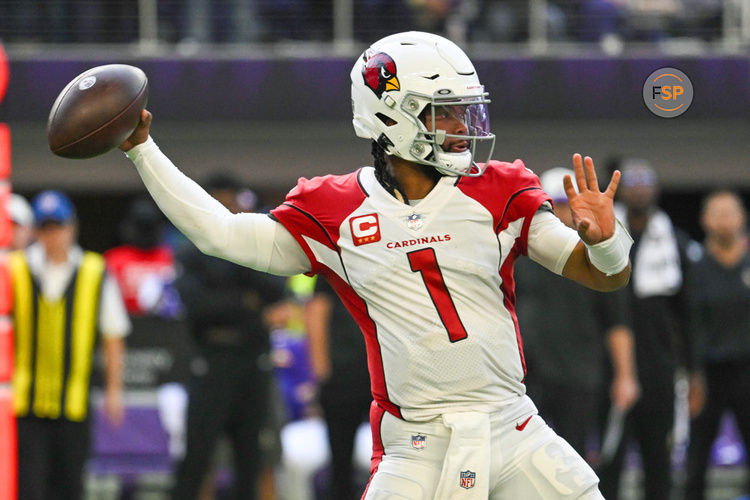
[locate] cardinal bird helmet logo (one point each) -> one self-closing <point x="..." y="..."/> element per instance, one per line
<point x="379" y="72"/>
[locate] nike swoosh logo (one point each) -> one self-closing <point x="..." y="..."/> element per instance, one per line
<point x="522" y="426"/>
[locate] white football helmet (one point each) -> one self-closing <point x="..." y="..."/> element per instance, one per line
<point x="395" y="80"/>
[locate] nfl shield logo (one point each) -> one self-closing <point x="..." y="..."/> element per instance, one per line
<point x="414" y="221"/>
<point x="467" y="479"/>
<point x="417" y="442"/>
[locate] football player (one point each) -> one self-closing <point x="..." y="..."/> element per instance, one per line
<point x="420" y="248"/>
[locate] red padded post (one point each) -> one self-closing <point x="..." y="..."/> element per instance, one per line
<point x="8" y="465"/>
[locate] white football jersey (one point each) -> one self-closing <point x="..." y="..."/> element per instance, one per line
<point x="430" y="285"/>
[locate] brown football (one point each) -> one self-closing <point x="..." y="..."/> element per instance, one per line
<point x="97" y="111"/>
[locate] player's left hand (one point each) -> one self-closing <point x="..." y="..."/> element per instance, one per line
<point x="593" y="213"/>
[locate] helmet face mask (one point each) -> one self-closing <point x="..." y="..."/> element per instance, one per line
<point x="470" y="115"/>
<point x="406" y="87"/>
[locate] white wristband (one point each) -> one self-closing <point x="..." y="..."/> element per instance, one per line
<point x="611" y="255"/>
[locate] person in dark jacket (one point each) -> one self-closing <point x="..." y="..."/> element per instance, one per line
<point x="229" y="389"/>
<point x="719" y="297"/>
<point x="658" y="312"/>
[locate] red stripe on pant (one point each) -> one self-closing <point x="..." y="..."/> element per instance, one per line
<point x="376" y="418"/>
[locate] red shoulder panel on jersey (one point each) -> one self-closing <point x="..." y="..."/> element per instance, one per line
<point x="316" y="207"/>
<point x="509" y="191"/>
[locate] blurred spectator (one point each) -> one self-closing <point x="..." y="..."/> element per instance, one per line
<point x="599" y="19"/>
<point x="339" y="362"/>
<point x="23" y="222"/>
<point x="431" y="15"/>
<point x="305" y="438"/>
<point x="703" y="18"/>
<point x="658" y="313"/>
<point x="291" y="355"/>
<point x="651" y="20"/>
<point x="565" y="346"/>
<point x="103" y="22"/>
<point x="375" y="19"/>
<point x="508" y="21"/>
<point x="143" y="264"/>
<point x="640" y="20"/>
<point x="70" y="21"/>
<point x="314" y="19"/>
<point x="58" y="289"/>
<point x="233" y="21"/>
<point x="304" y="446"/>
<point x="228" y="392"/>
<point x="444" y="17"/>
<point x="719" y="291"/>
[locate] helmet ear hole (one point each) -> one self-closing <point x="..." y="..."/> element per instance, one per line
<point x="385" y="143"/>
<point x="387" y="120"/>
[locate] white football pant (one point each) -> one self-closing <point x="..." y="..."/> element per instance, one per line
<point x="524" y="459"/>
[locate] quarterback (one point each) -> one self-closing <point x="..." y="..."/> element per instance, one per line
<point x="420" y="247"/>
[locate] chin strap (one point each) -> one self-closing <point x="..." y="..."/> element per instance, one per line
<point x="453" y="164"/>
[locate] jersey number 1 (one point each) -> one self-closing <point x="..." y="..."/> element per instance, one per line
<point x="424" y="262"/>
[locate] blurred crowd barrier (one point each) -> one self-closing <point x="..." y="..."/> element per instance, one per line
<point x="190" y="24"/>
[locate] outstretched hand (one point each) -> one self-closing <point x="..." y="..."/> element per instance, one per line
<point x="593" y="212"/>
<point x="140" y="134"/>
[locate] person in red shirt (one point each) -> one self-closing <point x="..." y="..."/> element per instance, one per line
<point x="143" y="265"/>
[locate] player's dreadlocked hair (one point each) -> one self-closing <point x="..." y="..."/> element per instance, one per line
<point x="385" y="178"/>
<point x="382" y="175"/>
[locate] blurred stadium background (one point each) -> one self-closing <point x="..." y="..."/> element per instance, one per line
<point x="261" y="87"/>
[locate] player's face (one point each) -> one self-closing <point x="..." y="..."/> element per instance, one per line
<point x="452" y="119"/>
<point x="723" y="217"/>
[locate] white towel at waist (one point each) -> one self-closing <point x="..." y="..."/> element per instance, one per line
<point x="466" y="467"/>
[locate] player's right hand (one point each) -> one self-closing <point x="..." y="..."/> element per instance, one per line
<point x="140" y="134"/>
